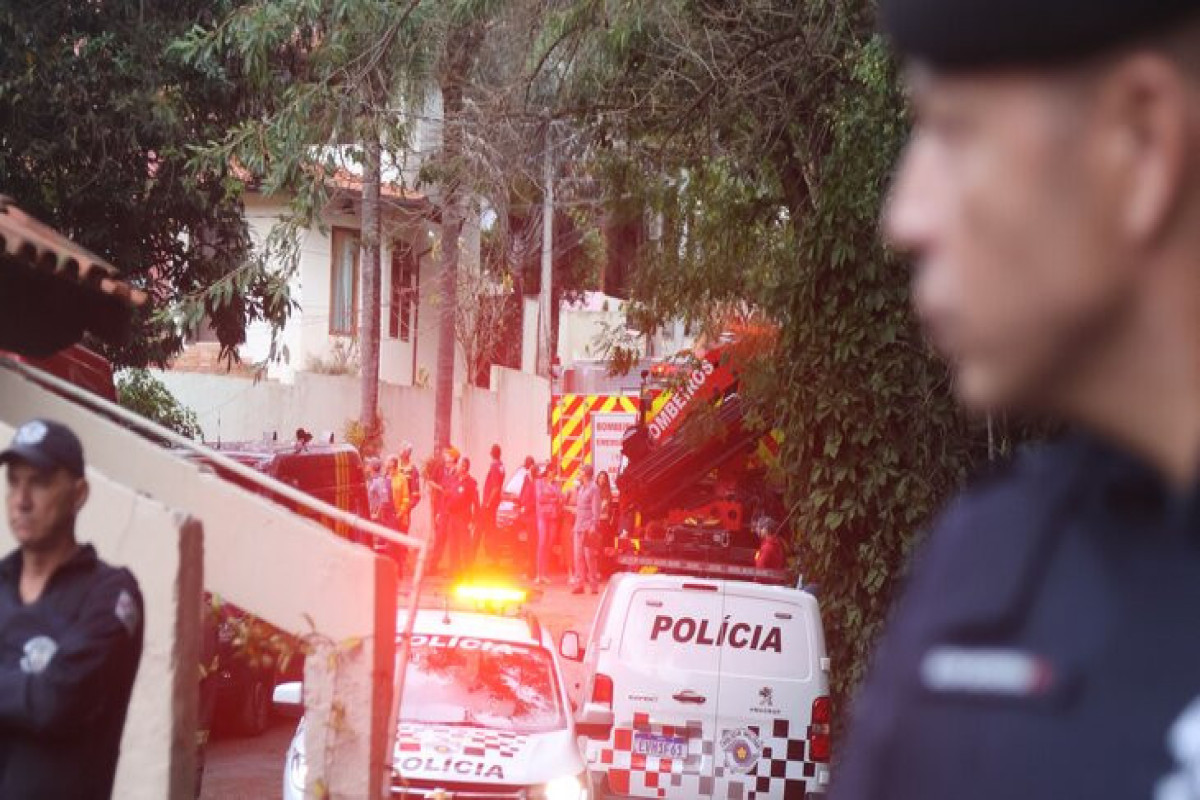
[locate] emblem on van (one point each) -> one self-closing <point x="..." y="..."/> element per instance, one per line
<point x="766" y="697"/>
<point x="742" y="748"/>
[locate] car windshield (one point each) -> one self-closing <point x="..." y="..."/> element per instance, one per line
<point x="481" y="683"/>
<point x="516" y="482"/>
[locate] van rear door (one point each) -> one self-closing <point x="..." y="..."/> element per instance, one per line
<point x="665" y="692"/>
<point x="772" y="673"/>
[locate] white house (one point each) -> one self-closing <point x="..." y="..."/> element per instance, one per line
<point x="321" y="335"/>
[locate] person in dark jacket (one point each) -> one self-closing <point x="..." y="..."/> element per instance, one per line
<point x="549" y="507"/>
<point x="463" y="509"/>
<point x="70" y="630"/>
<point x="525" y="529"/>
<point x="493" y="489"/>
<point x="1046" y="643"/>
<point x="443" y="476"/>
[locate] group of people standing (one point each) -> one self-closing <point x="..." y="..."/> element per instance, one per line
<point x="543" y="504"/>
<point x="393" y="491"/>
<point x="461" y="520"/>
<point x="464" y="518"/>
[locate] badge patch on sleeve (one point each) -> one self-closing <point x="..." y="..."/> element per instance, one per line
<point x="127" y="612"/>
<point x="1183" y="740"/>
<point x="998" y="672"/>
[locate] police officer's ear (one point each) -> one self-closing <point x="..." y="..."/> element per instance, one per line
<point x="1148" y="106"/>
<point x="81" y="491"/>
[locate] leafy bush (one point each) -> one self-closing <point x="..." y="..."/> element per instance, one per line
<point x="142" y="393"/>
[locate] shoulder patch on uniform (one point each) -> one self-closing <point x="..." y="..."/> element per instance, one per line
<point x="127" y="611"/>
<point x="1183" y="740"/>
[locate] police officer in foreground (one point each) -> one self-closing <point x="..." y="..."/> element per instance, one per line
<point x="70" y="630"/>
<point x="1048" y="642"/>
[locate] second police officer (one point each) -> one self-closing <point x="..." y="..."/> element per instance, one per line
<point x="1048" y="642"/>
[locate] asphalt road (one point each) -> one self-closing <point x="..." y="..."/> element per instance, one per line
<point x="252" y="769"/>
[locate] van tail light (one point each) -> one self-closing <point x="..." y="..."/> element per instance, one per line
<point x="820" y="730"/>
<point x="602" y="690"/>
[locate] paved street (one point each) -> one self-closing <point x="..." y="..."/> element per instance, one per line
<point x="252" y="769"/>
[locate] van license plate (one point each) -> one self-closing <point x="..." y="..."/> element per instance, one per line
<point x="662" y="746"/>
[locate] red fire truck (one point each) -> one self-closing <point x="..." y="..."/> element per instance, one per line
<point x="684" y="490"/>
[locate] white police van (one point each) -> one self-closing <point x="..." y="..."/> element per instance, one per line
<point x="485" y="714"/>
<point x="702" y="687"/>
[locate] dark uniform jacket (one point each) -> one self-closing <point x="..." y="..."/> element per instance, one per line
<point x="463" y="498"/>
<point x="67" y="664"/>
<point x="1047" y="646"/>
<point x="493" y="487"/>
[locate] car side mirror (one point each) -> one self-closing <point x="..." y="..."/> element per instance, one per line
<point x="595" y="721"/>
<point x="288" y="699"/>
<point x="569" y="646"/>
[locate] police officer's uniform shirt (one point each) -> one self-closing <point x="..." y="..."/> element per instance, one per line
<point x="1048" y="645"/>
<point x="67" y="664"/>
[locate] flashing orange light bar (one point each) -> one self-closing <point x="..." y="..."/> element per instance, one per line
<point x="490" y="594"/>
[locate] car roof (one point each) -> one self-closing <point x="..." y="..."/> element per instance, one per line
<point x="473" y="624"/>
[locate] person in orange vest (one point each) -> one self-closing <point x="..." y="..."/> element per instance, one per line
<point x="401" y="488"/>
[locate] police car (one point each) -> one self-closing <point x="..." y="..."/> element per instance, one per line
<point x="702" y="687"/>
<point x="485" y="712"/>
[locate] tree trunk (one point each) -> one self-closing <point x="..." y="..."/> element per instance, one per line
<point x="452" y="100"/>
<point x="371" y="288"/>
<point x="545" y="355"/>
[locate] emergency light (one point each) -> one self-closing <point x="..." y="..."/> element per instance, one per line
<point x="490" y="595"/>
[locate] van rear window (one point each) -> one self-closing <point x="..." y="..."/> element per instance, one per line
<point x="672" y="628"/>
<point x="780" y="638"/>
<point x="709" y="631"/>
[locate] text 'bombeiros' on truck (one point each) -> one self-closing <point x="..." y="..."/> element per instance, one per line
<point x="682" y="493"/>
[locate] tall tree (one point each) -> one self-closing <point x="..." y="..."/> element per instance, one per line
<point x="372" y="274"/>
<point x="761" y="137"/>
<point x="336" y="80"/>
<point x="98" y="123"/>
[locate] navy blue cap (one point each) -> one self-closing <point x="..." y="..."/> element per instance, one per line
<point x="958" y="35"/>
<point x="46" y="444"/>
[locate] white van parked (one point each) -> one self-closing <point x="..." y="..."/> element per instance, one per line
<point x="705" y="688"/>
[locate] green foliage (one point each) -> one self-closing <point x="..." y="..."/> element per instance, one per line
<point x="368" y="439"/>
<point x="761" y="137"/>
<point x="142" y="393"/>
<point x="97" y="126"/>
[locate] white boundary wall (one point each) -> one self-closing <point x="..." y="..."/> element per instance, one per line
<point x="514" y="414"/>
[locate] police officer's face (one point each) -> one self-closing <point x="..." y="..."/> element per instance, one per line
<point x="43" y="504"/>
<point x="1009" y="202"/>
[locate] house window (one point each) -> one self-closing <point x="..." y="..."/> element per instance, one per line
<point x="343" y="276"/>
<point x="405" y="279"/>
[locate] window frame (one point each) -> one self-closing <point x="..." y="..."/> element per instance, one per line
<point x="402" y="300"/>
<point x="336" y="239"/>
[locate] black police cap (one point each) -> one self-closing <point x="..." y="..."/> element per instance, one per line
<point x="46" y="444"/>
<point x="978" y="34"/>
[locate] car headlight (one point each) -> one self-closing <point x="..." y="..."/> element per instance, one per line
<point x="297" y="769"/>
<point x="568" y="787"/>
